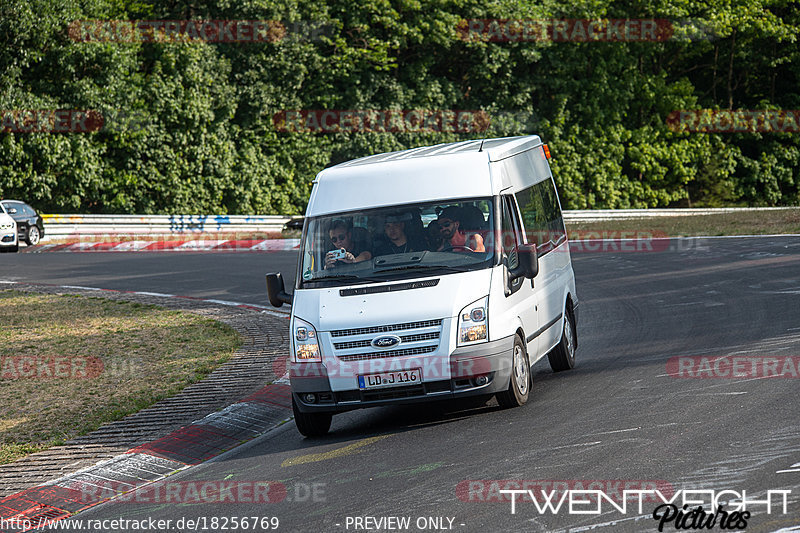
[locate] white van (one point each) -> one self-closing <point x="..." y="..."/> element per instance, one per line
<point x="432" y="273"/>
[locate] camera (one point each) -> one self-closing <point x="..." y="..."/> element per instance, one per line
<point x="338" y="254"/>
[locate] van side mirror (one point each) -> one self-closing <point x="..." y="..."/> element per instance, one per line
<point x="276" y="290"/>
<point x="527" y="262"/>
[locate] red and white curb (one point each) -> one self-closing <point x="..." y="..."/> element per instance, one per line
<point x="190" y="245"/>
<point x="152" y="461"/>
<point x="278" y="245"/>
<point x="149" y="462"/>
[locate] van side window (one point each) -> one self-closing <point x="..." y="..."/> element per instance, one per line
<point x="541" y="216"/>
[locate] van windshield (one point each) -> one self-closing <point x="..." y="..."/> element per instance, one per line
<point x="397" y="242"/>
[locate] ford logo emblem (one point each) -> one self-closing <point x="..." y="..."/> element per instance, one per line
<point x="385" y="341"/>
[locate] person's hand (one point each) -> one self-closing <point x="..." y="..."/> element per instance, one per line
<point x="329" y="260"/>
<point x="348" y="258"/>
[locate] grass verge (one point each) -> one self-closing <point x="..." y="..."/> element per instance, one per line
<point x="69" y="364"/>
<point x="742" y="223"/>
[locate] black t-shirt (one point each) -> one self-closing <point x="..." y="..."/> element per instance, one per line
<point x="386" y="247"/>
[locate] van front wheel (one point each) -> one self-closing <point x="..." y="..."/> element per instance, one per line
<point x="519" y="386"/>
<point x="311" y="424"/>
<point x="562" y="357"/>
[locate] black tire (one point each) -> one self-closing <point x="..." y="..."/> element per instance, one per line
<point x="33" y="236"/>
<point x="520" y="380"/>
<point x="311" y="424"/>
<point x="562" y="357"/>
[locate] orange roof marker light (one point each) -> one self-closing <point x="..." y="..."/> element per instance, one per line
<point x="546" y="151"/>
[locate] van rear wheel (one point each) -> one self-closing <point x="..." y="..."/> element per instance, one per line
<point x="562" y="357"/>
<point x="311" y="424"/>
<point x="519" y="386"/>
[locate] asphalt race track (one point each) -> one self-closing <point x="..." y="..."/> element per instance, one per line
<point x="622" y="415"/>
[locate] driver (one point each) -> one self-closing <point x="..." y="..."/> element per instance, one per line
<point x="396" y="240"/>
<point x="341" y="235"/>
<point x="454" y="237"/>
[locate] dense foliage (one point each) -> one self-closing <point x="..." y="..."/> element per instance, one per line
<point x="189" y="126"/>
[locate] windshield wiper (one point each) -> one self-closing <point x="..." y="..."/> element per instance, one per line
<point x="446" y="268"/>
<point x="344" y="277"/>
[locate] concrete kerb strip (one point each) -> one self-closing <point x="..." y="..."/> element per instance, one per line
<point x="137" y="451"/>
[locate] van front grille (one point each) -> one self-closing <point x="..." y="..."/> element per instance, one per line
<point x="404" y="338"/>
<point x="416" y="338"/>
<point x="387" y="328"/>
<point x="392" y="353"/>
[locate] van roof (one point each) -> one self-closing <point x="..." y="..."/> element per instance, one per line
<point x="429" y="173"/>
<point x="496" y="149"/>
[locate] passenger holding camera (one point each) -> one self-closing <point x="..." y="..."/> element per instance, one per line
<point x="348" y="250"/>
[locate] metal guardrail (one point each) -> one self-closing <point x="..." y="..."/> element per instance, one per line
<point x="602" y="215"/>
<point x="72" y="225"/>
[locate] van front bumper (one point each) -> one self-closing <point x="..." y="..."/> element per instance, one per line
<point x="469" y="367"/>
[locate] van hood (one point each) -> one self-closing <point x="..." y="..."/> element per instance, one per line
<point x="327" y="310"/>
<point x="6" y="219"/>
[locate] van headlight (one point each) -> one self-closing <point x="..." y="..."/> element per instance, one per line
<point x="306" y="344"/>
<point x="472" y="322"/>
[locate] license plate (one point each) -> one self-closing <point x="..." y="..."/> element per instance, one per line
<point x="390" y="379"/>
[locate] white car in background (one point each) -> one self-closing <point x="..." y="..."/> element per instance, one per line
<point x="8" y="232"/>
